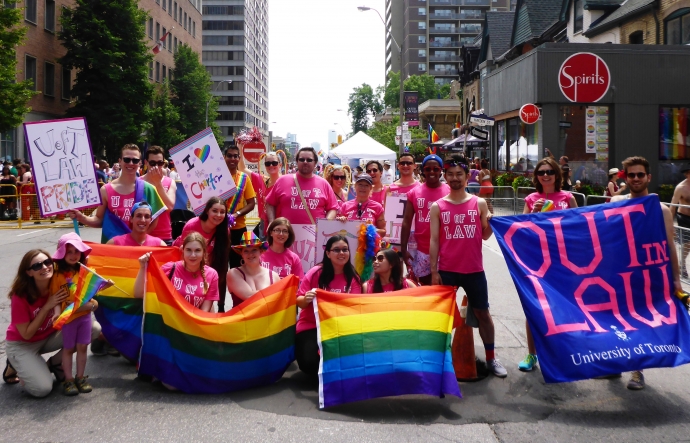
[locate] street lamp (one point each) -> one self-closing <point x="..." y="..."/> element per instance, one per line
<point x="209" y="100"/>
<point x="402" y="87"/>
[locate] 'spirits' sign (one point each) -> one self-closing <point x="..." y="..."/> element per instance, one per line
<point x="584" y="78"/>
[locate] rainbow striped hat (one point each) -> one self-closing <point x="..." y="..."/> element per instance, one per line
<point x="250" y="240"/>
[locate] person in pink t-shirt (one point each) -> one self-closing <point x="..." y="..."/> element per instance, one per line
<point x="284" y="199"/>
<point x="388" y="274"/>
<point x="191" y="277"/>
<point x="548" y="181"/>
<point x="335" y="274"/>
<point x="379" y="190"/>
<point x="406" y="183"/>
<point x="139" y="224"/>
<point x="166" y="188"/>
<point x="363" y="207"/>
<point x="278" y="258"/>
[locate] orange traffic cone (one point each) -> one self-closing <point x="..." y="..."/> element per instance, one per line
<point x="462" y="348"/>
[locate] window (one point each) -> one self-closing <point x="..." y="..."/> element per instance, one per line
<point x="165" y="42"/>
<point x="151" y="28"/>
<point x="179" y="16"/>
<point x="165" y="72"/>
<point x="169" y="7"/>
<point x="31" y="11"/>
<point x="678" y="27"/>
<point x="175" y="16"/>
<point x="421" y="38"/>
<point x="194" y="29"/>
<point x="636" y="38"/>
<point x="421" y="67"/>
<point x="49" y="79"/>
<point x="185" y="20"/>
<point x="50" y="15"/>
<point x="222" y="25"/>
<point x="165" y="4"/>
<point x="66" y="83"/>
<point x="158" y="71"/>
<point x="30" y="69"/>
<point x="151" y="70"/>
<point x="422" y="53"/>
<point x="175" y="49"/>
<point x="578" y="13"/>
<point x="421" y="25"/>
<point x="673" y="132"/>
<point x="169" y="42"/>
<point x="158" y="31"/>
<point x="422" y="11"/>
<point x="7" y="144"/>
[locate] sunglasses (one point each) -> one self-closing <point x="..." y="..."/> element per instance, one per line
<point x="271" y="163"/>
<point x="339" y="250"/>
<point x="405" y="163"/>
<point x="233" y="156"/>
<point x="636" y="174"/>
<point x="48" y="262"/>
<point x="132" y="160"/>
<point x="436" y="170"/>
<point x="543" y="172"/>
<point x="372" y="171"/>
<point x="338" y="177"/>
<point x="303" y="159"/>
<point x="380" y="258"/>
<point x="158" y="163"/>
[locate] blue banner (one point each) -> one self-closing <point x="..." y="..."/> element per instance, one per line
<point x="596" y="285"/>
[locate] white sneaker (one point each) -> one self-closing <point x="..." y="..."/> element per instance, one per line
<point x="496" y="368"/>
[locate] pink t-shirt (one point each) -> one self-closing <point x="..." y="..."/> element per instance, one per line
<point x="422" y="197"/>
<point x="23" y="312"/>
<point x="400" y="190"/>
<point x="386" y="288"/>
<point x="380" y="196"/>
<point x="128" y="240"/>
<point x="560" y="199"/>
<point x="371" y="210"/>
<point x="307" y="320"/>
<point x="260" y="190"/>
<point x="118" y="204"/>
<point x="190" y="286"/>
<point x="163" y="229"/>
<point x="283" y="264"/>
<point x="194" y="225"/>
<point x="318" y="194"/>
<point x="460" y="239"/>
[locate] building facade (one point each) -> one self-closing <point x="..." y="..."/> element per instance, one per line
<point x="235" y="47"/>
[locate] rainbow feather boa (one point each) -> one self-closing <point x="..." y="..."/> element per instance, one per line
<point x="369" y="243"/>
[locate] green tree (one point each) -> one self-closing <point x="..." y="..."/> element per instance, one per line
<point x="424" y="84"/>
<point x="384" y="133"/>
<point x="164" y="120"/>
<point x="363" y="104"/>
<point x="105" y="43"/>
<point x="14" y="95"/>
<point x="191" y="90"/>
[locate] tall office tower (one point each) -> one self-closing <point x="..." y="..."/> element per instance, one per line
<point x="432" y="32"/>
<point x="235" y="47"/>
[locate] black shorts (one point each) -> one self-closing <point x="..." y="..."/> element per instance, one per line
<point x="683" y="220"/>
<point x="474" y="284"/>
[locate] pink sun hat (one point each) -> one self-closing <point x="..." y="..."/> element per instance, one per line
<point x="70" y="239"/>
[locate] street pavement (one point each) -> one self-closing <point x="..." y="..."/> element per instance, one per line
<point x="520" y="408"/>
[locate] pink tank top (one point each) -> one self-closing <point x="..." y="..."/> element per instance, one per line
<point x="118" y="204"/>
<point x="460" y="237"/>
<point x="164" y="227"/>
<point x="127" y="240"/>
<point x="380" y="196"/>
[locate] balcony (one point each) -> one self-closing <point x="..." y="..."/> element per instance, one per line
<point x="444" y="44"/>
<point x="452" y="30"/>
<point x="470" y="28"/>
<point x="444" y="58"/>
<point x="453" y="16"/>
<point x="443" y="72"/>
<point x="466" y="15"/>
<point x="445" y="2"/>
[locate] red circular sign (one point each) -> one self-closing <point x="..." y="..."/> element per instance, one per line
<point x="253" y="150"/>
<point x="584" y="77"/>
<point x="529" y="114"/>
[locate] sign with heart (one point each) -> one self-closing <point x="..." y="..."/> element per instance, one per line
<point x="202" y="170"/>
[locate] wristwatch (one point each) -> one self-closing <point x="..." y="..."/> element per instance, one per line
<point x="237" y="214"/>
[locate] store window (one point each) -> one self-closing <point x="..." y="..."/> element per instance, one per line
<point x="674" y="129"/>
<point x="518" y="145"/>
<point x="7" y="145"/>
<point x="584" y="139"/>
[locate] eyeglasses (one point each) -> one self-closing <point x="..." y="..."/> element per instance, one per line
<point x="380" y="258"/>
<point x="132" y="160"/>
<point x="372" y="171"/>
<point x="339" y="250"/>
<point x="636" y="174"/>
<point x="233" y="155"/>
<point x="338" y="177"/>
<point x="157" y="163"/>
<point x="543" y="172"/>
<point x="304" y="159"/>
<point x="48" y="262"/>
<point x="405" y="163"/>
<point x="271" y="163"/>
<point x="281" y="231"/>
<point x="436" y="170"/>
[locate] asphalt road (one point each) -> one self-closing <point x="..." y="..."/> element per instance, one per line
<point x="520" y="408"/>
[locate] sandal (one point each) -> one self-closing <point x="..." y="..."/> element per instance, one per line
<point x="10" y="379"/>
<point x="58" y="371"/>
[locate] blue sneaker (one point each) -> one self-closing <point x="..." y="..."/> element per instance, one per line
<point x="528" y="364"/>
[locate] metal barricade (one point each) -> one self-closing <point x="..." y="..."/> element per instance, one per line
<point x="30" y="214"/>
<point x="520" y="195"/>
<point x="500" y="199"/>
<point x="9" y="213"/>
<point x="596" y="199"/>
<point x="580" y="199"/>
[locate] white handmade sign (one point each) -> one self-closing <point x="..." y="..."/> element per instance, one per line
<point x="326" y="229"/>
<point x="62" y="164"/>
<point x="305" y="245"/>
<point x="395" y="208"/>
<point x="202" y="170"/>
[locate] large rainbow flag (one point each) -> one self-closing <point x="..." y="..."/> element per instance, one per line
<point x="379" y="345"/>
<point x="199" y="352"/>
<point x="119" y="313"/>
<point x="84" y="289"/>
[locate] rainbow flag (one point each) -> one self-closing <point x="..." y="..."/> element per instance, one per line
<point x="87" y="285"/>
<point x="380" y="345"/>
<point x="119" y="313"/>
<point x="114" y="226"/>
<point x="433" y="136"/>
<point x="207" y="353"/>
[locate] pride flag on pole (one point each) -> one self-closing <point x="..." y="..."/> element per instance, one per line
<point x="380" y="345"/>
<point x="199" y="352"/>
<point x="433" y="136"/>
<point x="87" y="285"/>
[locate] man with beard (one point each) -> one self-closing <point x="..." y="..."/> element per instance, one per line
<point x="637" y="177"/>
<point x="459" y="222"/>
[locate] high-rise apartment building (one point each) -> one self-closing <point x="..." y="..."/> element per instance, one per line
<point x="235" y="47"/>
<point x="432" y="32"/>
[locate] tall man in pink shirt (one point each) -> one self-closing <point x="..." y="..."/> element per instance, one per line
<point x="419" y="201"/>
<point x="284" y="200"/>
<point x="459" y="222"/>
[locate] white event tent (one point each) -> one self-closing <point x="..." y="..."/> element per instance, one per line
<point x="361" y="146"/>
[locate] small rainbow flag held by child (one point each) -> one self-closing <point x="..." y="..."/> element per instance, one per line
<point x="548" y="206"/>
<point x="87" y="285"/>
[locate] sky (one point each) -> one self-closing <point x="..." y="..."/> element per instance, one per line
<point x="319" y="50"/>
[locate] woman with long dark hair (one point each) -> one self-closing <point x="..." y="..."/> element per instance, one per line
<point x="379" y="190"/>
<point x="335" y="273"/>
<point x="388" y="274"/>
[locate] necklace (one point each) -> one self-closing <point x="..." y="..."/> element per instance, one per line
<point x="195" y="274"/>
